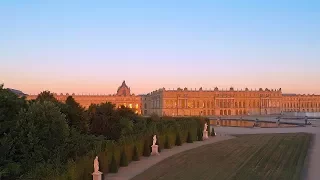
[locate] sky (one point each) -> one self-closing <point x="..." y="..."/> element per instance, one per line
<point x="90" y="47"/>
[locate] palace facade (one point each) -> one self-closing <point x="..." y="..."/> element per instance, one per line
<point x="123" y="97"/>
<point x="185" y="102"/>
<point x="199" y="102"/>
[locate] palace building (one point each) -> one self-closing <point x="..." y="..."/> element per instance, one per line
<point x="192" y="102"/>
<point x="123" y="97"/>
<point x="185" y="102"/>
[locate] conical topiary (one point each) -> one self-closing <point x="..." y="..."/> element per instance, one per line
<point x="166" y="143"/>
<point x="146" y="149"/>
<point x="212" y="132"/>
<point x="189" y="138"/>
<point x="113" y="165"/>
<point x="135" y="156"/>
<point x="199" y="134"/>
<point x="178" y="140"/>
<point x="123" y="159"/>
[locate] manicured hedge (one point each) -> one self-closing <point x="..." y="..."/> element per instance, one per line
<point x="166" y="128"/>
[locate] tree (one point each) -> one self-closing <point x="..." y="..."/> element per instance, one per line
<point x="38" y="137"/>
<point x="76" y="115"/>
<point x="10" y="105"/>
<point x="126" y="112"/>
<point x="46" y="96"/>
<point x="104" y="120"/>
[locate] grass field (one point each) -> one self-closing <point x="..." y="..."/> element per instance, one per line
<point x="256" y="157"/>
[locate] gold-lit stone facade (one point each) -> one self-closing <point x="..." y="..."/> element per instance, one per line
<point x="122" y="98"/>
<point x="300" y="103"/>
<point x="185" y="102"/>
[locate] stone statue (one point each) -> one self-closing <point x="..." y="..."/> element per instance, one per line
<point x="154" y="140"/>
<point x="205" y="127"/>
<point x="96" y="164"/>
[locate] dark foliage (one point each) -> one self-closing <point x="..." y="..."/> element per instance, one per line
<point x="199" y="134"/>
<point x="212" y="132"/>
<point x="166" y="143"/>
<point x="178" y="140"/>
<point x="135" y="156"/>
<point x="146" y="149"/>
<point x="76" y="115"/>
<point x="113" y="165"/>
<point x="189" y="138"/>
<point x="123" y="159"/>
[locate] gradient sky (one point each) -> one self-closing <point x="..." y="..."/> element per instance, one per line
<point x="92" y="46"/>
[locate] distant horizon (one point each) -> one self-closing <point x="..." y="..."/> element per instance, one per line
<point x="110" y="92"/>
<point x="91" y="46"/>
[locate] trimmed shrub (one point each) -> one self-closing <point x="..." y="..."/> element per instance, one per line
<point x="212" y="132"/>
<point x="113" y="165"/>
<point x="146" y="149"/>
<point x="189" y="138"/>
<point x="123" y="159"/>
<point x="178" y="140"/>
<point x="135" y="156"/>
<point x="166" y="143"/>
<point x="200" y="135"/>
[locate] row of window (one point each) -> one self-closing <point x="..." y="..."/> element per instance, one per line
<point x="220" y="104"/>
<point x="237" y="112"/>
<point x="296" y="105"/>
<point x="302" y="110"/>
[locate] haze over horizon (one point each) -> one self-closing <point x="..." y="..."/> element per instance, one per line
<point x="91" y="47"/>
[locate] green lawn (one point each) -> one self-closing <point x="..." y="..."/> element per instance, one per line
<point x="256" y="157"/>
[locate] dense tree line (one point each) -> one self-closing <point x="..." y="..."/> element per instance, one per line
<point x="45" y="132"/>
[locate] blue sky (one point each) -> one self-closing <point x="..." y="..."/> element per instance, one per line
<point x="91" y="46"/>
